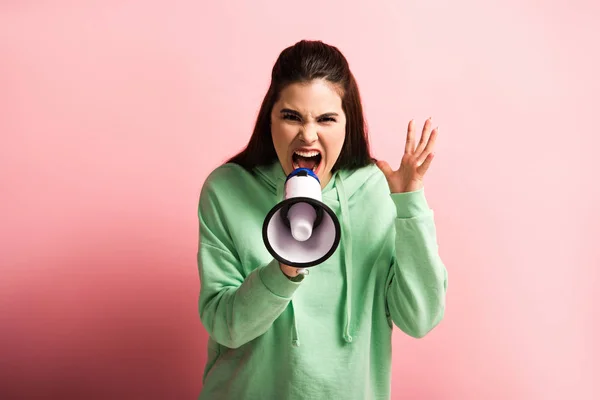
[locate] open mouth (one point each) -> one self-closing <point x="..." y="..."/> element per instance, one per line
<point x="306" y="159"/>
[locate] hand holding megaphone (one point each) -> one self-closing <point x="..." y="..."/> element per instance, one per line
<point x="301" y="231"/>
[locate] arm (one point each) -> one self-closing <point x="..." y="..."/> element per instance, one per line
<point x="417" y="281"/>
<point x="234" y="308"/>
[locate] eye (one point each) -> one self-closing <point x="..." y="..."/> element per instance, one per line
<point x="291" y="117"/>
<point x="327" y="119"/>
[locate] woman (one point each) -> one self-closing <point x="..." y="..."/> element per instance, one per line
<point x="277" y="334"/>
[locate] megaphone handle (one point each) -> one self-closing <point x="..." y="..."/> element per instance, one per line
<point x="302" y="271"/>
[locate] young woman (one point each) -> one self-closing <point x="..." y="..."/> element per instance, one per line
<point x="275" y="334"/>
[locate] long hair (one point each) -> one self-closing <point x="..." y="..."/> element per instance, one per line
<point x="304" y="61"/>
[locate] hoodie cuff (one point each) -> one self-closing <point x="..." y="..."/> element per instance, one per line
<point x="410" y="204"/>
<point x="276" y="281"/>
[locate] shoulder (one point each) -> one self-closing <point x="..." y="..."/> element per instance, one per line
<point x="371" y="192"/>
<point x="366" y="182"/>
<point x="376" y="179"/>
<point x="222" y="182"/>
<point x="225" y="176"/>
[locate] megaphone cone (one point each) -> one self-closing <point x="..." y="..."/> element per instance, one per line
<point x="301" y="231"/>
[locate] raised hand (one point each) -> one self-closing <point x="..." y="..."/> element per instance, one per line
<point x="415" y="162"/>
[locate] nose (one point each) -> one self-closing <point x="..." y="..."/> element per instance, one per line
<point x="309" y="134"/>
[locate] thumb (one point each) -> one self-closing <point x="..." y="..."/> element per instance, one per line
<point x="385" y="168"/>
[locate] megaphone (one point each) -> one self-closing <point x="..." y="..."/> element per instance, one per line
<point x="301" y="231"/>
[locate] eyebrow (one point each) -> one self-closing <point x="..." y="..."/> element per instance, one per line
<point x="290" y="111"/>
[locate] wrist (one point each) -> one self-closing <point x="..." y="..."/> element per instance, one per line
<point x="291" y="273"/>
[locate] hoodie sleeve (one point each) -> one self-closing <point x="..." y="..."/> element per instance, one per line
<point x="234" y="308"/>
<point x="417" y="281"/>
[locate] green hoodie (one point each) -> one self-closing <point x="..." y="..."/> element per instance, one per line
<point x="329" y="335"/>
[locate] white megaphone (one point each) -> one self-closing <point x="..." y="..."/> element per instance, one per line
<point x="301" y="231"/>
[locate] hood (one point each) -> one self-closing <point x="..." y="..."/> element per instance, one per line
<point x="342" y="186"/>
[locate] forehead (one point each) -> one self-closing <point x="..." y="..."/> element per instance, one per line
<point x="315" y="97"/>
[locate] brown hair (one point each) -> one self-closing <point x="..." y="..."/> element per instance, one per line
<point x="304" y="61"/>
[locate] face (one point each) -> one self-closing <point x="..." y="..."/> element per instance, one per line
<point x="308" y="127"/>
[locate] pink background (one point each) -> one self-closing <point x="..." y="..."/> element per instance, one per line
<point x="113" y="113"/>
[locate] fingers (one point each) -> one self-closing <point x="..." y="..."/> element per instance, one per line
<point x="410" y="138"/>
<point x="385" y="168"/>
<point x="422" y="169"/>
<point x="431" y="142"/>
<point x="425" y="157"/>
<point x="426" y="132"/>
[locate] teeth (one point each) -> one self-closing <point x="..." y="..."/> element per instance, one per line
<point x="306" y="153"/>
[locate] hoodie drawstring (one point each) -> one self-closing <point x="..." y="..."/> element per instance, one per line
<point x="295" y="338"/>
<point x="347" y="260"/>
